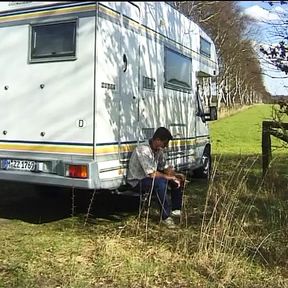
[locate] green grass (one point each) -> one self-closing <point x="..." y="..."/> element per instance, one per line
<point x="233" y="232"/>
<point x="240" y="137"/>
<point x="242" y="132"/>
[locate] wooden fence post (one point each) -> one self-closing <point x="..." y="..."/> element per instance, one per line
<point x="266" y="147"/>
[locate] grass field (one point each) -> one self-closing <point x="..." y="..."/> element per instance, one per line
<point x="233" y="232"/>
<point x="241" y="133"/>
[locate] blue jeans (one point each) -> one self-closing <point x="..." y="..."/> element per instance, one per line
<point x="159" y="186"/>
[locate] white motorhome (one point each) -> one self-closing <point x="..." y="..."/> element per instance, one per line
<point x="82" y="83"/>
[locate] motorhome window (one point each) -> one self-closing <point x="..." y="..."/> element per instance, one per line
<point x="177" y="70"/>
<point x="205" y="47"/>
<point x="200" y="108"/>
<point x="53" y="42"/>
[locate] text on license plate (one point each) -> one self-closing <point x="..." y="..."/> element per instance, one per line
<point x="18" y="164"/>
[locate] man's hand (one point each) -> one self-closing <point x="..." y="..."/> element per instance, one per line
<point x="169" y="171"/>
<point x="180" y="176"/>
<point x="174" y="182"/>
<point x="182" y="179"/>
<point x="177" y="182"/>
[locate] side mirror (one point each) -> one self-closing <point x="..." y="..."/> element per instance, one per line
<point x="212" y="115"/>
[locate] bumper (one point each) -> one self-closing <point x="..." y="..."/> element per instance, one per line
<point x="47" y="179"/>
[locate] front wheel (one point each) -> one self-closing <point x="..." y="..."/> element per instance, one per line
<point x="204" y="171"/>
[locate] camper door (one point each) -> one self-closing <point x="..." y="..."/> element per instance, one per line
<point x="129" y="73"/>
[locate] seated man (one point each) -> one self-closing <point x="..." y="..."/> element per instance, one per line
<point x="148" y="172"/>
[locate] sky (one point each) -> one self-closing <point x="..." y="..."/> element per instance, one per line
<point x="262" y="12"/>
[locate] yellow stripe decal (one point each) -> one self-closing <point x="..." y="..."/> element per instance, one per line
<point x="88" y="150"/>
<point x="57" y="11"/>
<point x="82" y="150"/>
<point x="46" y="148"/>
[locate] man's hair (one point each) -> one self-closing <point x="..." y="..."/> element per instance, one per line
<point x="163" y="134"/>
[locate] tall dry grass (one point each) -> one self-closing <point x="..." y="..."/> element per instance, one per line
<point x="218" y="251"/>
<point x="231" y="234"/>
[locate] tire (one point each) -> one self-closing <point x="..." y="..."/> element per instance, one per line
<point x="204" y="172"/>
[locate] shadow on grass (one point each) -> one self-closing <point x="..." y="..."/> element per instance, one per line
<point x="36" y="204"/>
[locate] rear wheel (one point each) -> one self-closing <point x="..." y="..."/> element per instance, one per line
<point x="204" y="171"/>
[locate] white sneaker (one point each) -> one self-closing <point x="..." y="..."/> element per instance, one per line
<point x="169" y="223"/>
<point x="176" y="213"/>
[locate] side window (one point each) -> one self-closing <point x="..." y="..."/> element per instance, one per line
<point x="200" y="108"/>
<point x="205" y="47"/>
<point x="53" y="42"/>
<point x="177" y="70"/>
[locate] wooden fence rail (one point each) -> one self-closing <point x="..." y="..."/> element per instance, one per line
<point x="276" y="129"/>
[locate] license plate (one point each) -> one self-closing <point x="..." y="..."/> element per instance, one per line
<point x="13" y="164"/>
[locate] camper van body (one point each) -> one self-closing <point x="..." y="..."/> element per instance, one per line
<point x="82" y="83"/>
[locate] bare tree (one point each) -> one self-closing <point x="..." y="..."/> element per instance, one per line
<point x="277" y="54"/>
<point x="240" y="81"/>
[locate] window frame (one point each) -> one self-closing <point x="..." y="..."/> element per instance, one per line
<point x="200" y="107"/>
<point x="203" y="52"/>
<point x="174" y="86"/>
<point x="52" y="58"/>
